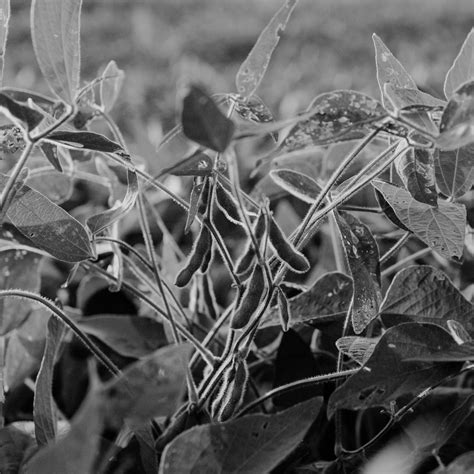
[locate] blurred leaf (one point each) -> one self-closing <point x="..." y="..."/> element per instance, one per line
<point x="416" y="169"/>
<point x="151" y="387"/>
<point x="426" y="294"/>
<point x="5" y="9"/>
<point x="254" y="444"/>
<point x="55" y="33"/>
<point x="455" y="171"/>
<point x="101" y="221"/>
<point x="74" y="453"/>
<point x="56" y="186"/>
<point x="388" y="373"/>
<point x="327" y="299"/>
<point x="363" y="258"/>
<point x="297" y="184"/>
<point x="19" y="269"/>
<point x="461" y="465"/>
<point x="457" y="122"/>
<point x="442" y="228"/>
<point x="252" y="70"/>
<point x="44" y="406"/>
<point x="48" y="226"/>
<point x="51" y="154"/>
<point x="85" y="141"/>
<point x="203" y="122"/>
<point x="20" y="113"/>
<point x="462" y="69"/>
<point x="14" y="444"/>
<point x="110" y="86"/>
<point x="357" y="348"/>
<point x="198" y="164"/>
<point x="130" y="336"/>
<point x="335" y="117"/>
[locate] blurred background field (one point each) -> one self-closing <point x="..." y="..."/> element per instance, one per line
<point x="327" y="45"/>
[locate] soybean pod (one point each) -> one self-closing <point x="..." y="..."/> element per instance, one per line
<point x="235" y="392"/>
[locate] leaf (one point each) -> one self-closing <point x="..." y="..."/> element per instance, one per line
<point x="416" y="169"/>
<point x="194" y="200"/>
<point x="44" y="407"/>
<point x="56" y="186"/>
<point x="203" y="122"/>
<point x="101" y="221"/>
<point x="130" y="336"/>
<point x="55" y="26"/>
<point x="253" y="109"/>
<point x="74" y="453"/>
<point x="335" y="117"/>
<point x="403" y="98"/>
<point x="19" y="269"/>
<point x="457" y="122"/>
<point x="297" y="184"/>
<point x="254" y="444"/>
<point x="198" y="164"/>
<point x="454" y="171"/>
<point x="388" y="373"/>
<point x="20" y="113"/>
<point x="327" y="299"/>
<point x="442" y="228"/>
<point x="50" y="152"/>
<point x="110" y="86"/>
<point x="14" y="445"/>
<point x="48" y="226"/>
<point x="425" y="294"/>
<point x="85" y="141"/>
<point x="462" y="69"/>
<point x="148" y="388"/>
<point x="252" y="70"/>
<point x="363" y="258"/>
<point x="357" y="348"/>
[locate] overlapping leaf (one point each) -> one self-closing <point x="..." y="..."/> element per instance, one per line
<point x="56" y="186"/>
<point x="20" y="113"/>
<point x="198" y="164"/>
<point x="442" y="228"/>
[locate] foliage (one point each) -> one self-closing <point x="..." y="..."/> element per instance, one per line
<point x="195" y="293"/>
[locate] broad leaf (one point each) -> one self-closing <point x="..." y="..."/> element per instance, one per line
<point x="457" y="122"/>
<point x="130" y="336"/>
<point x="44" y="406"/>
<point x="297" y="184"/>
<point x="48" y="226"/>
<point x="203" y="122"/>
<point x="101" y="221"/>
<point x="55" y="34"/>
<point x="85" y="141"/>
<point x="253" y="444"/>
<point x="388" y="374"/>
<point x="74" y="453"/>
<point x="198" y="164"/>
<point x="403" y="98"/>
<point x="363" y="258"/>
<point x="148" y="388"/>
<point x="335" y="117"/>
<point x="454" y="171"/>
<point x="442" y="228"/>
<point x="20" y="113"/>
<point x="416" y="169"/>
<point x="110" y="86"/>
<point x="252" y="70"/>
<point x="326" y="300"/>
<point x="56" y="186"/>
<point x="425" y="294"/>
<point x="462" y="69"/>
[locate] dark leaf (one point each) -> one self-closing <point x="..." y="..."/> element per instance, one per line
<point x="455" y="171"/>
<point x="389" y="373"/>
<point x="426" y="294"/>
<point x="416" y="169"/>
<point x="148" y="388"/>
<point x="457" y="122"/>
<point x="130" y="336"/>
<point x="203" y="122"/>
<point x="198" y="164"/>
<point x="51" y="154"/>
<point x="454" y="353"/>
<point x="363" y="258"/>
<point x="56" y="186"/>
<point x="335" y="117"/>
<point x="388" y="211"/>
<point x="48" y="226"/>
<point x="462" y="69"/>
<point x="55" y="34"/>
<point x="253" y="69"/>
<point x="44" y="406"/>
<point x="85" y="141"/>
<point x="297" y="184"/>
<point x="18" y="112"/>
<point x="14" y="445"/>
<point x="254" y="444"/>
<point x="110" y="86"/>
<point x="327" y="299"/>
<point x="442" y="228"/>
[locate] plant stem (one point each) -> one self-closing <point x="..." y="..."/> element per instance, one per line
<point x="397" y="246"/>
<point x="388" y="271"/>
